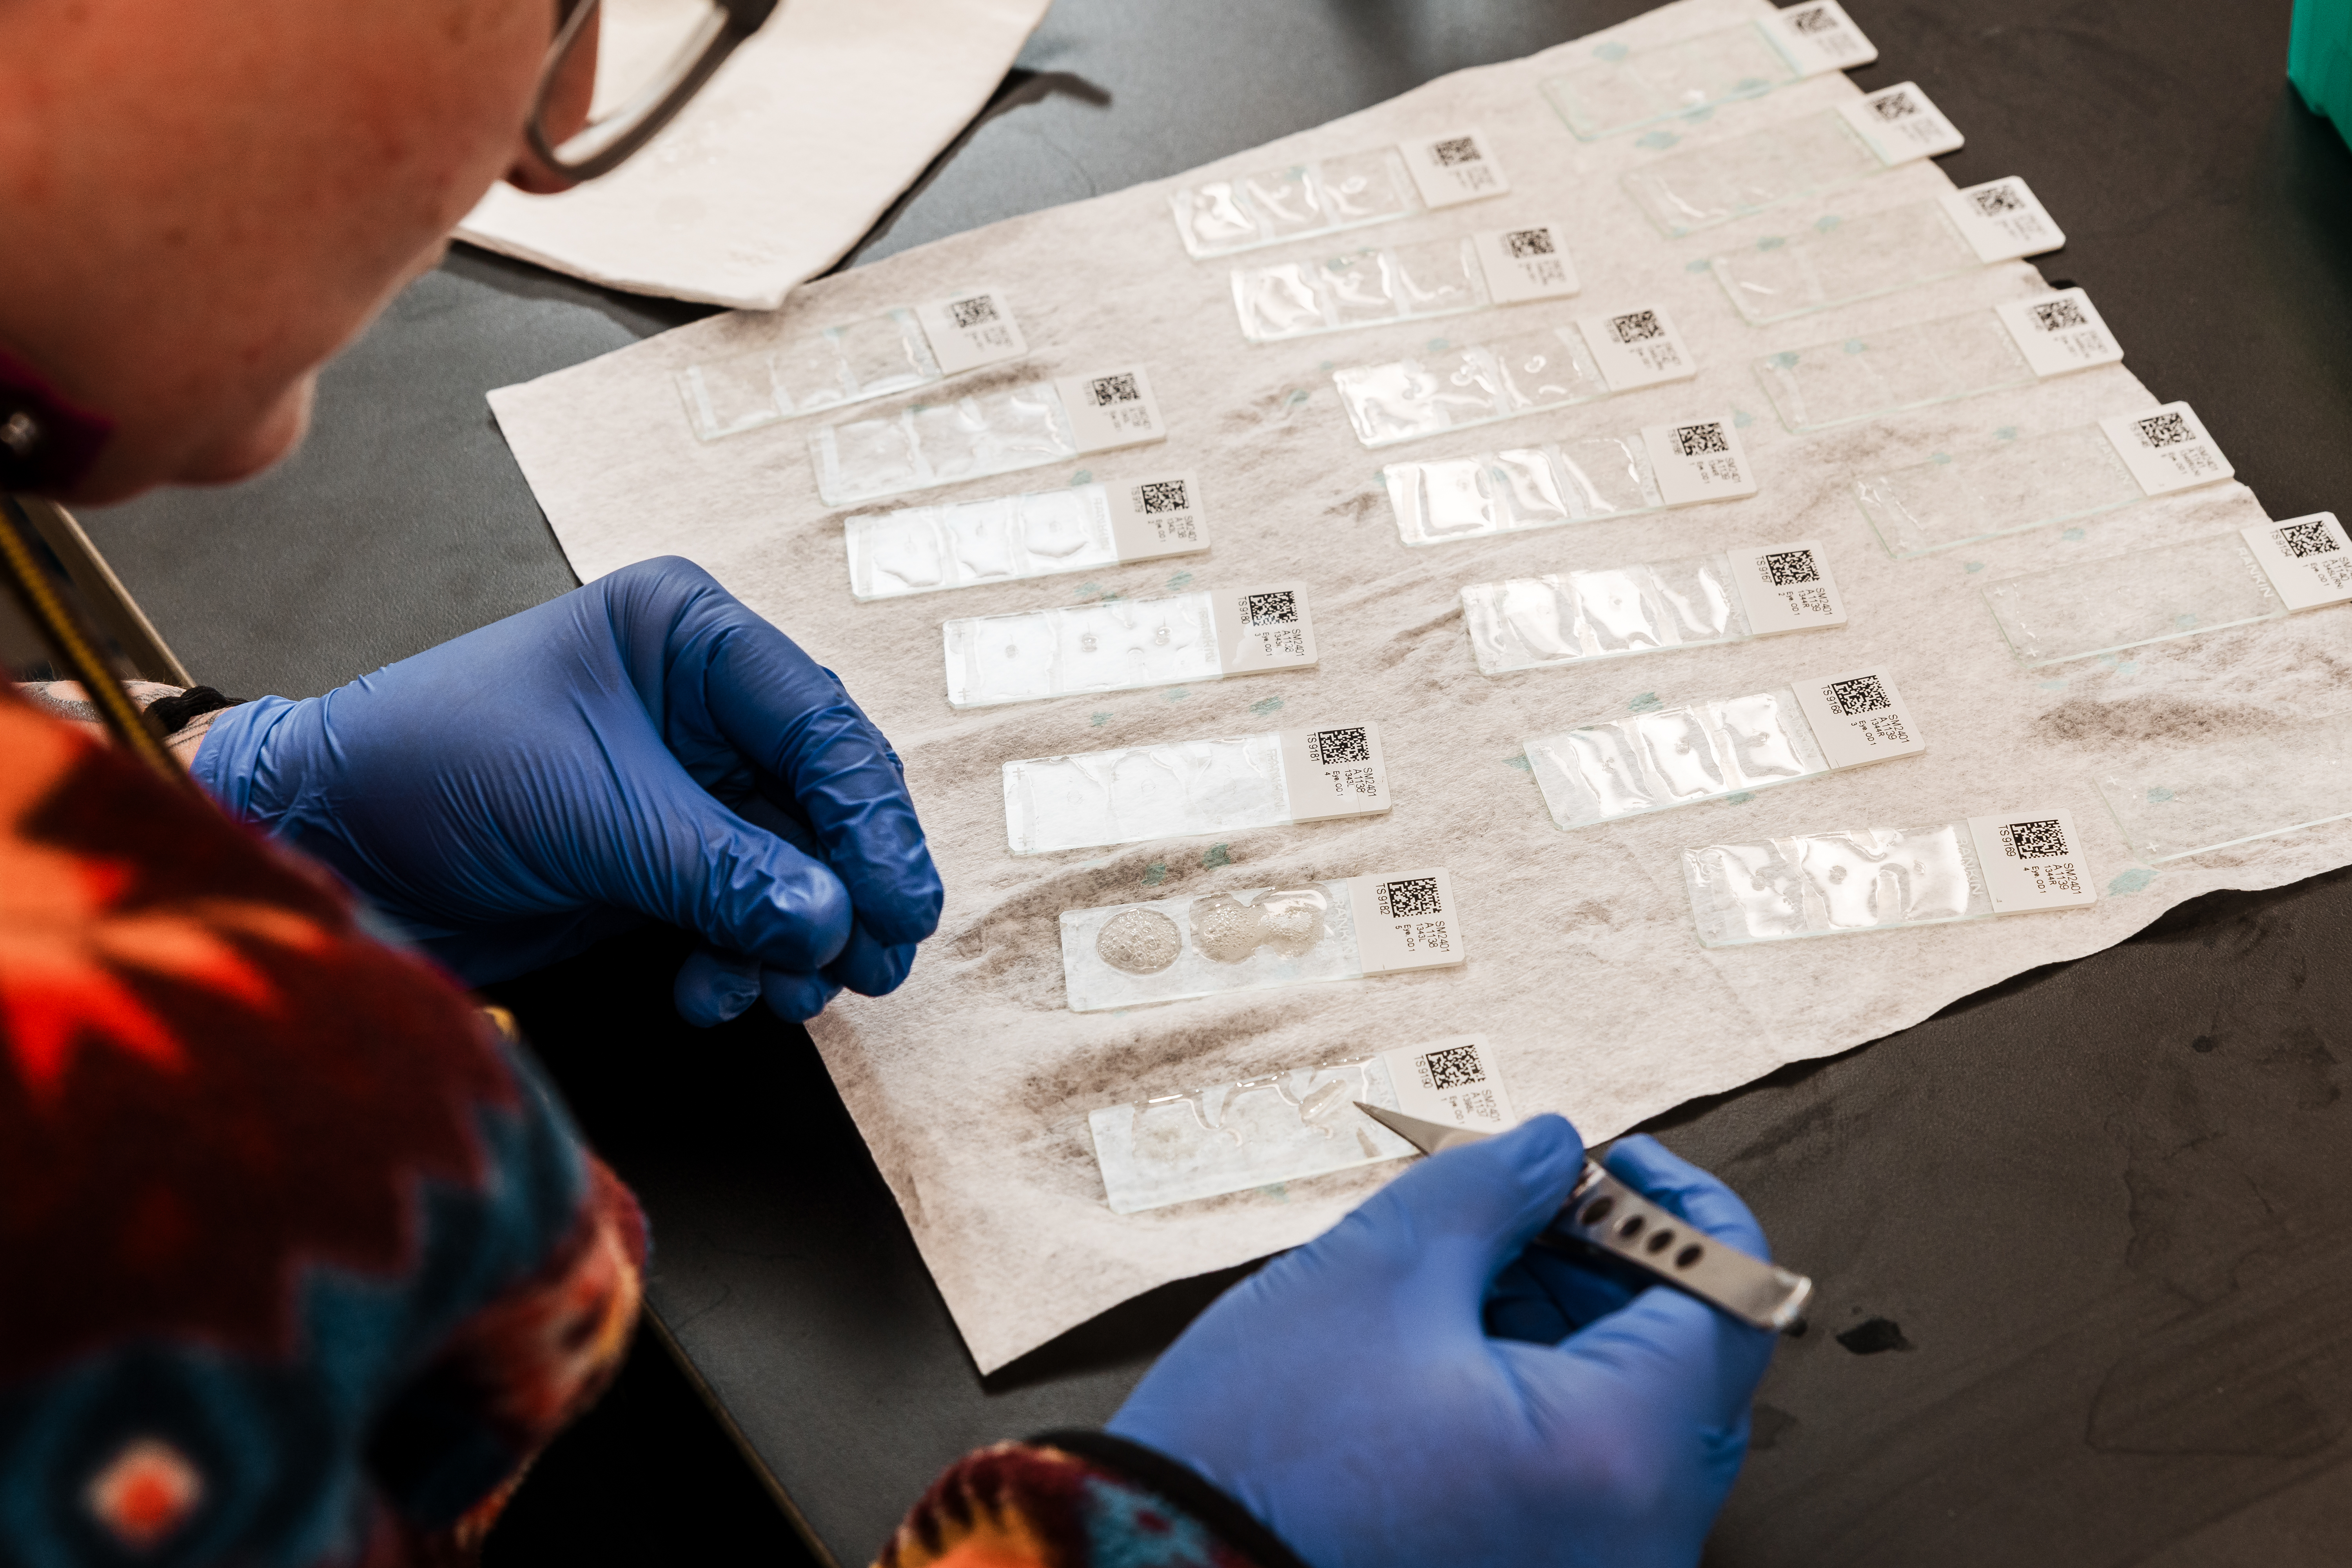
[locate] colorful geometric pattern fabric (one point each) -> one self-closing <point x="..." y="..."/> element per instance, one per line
<point x="303" y="1261"/>
<point x="1037" y="1505"/>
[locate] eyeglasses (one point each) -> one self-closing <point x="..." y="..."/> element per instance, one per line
<point x="652" y="57"/>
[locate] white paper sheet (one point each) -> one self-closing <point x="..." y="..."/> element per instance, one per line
<point x="974" y="1083"/>
<point x="785" y="159"/>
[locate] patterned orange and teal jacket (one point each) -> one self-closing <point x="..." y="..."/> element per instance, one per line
<point x="301" y="1262"/>
<point x="1078" y="1499"/>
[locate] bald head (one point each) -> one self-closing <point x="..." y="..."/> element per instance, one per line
<point x="204" y="203"/>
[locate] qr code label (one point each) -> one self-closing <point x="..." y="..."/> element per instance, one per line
<point x="1636" y="327"/>
<point x="966" y="331"/>
<point x="1409" y="899"/>
<point x="1162" y="495"/>
<point x="2030" y="863"/>
<point x="1271" y="609"/>
<point x="1335" y="746"/>
<point x="1333" y="773"/>
<point x="2043" y="840"/>
<point x="2001" y="221"/>
<point x="1455" y="1067"/>
<point x="1639" y="348"/>
<point x="1525" y="264"/>
<point x="1111" y="408"/>
<point x="2166" y="448"/>
<point x="1159" y="517"/>
<point x="1267" y="628"/>
<point x="1404" y="921"/>
<point x="1453" y="168"/>
<point x="1453" y="1081"/>
<point x="1700" y="440"/>
<point x="1787" y="589"/>
<point x="1861" y="694"/>
<point x="1857" y="719"/>
<point x="2300" y="541"/>
<point x="1819" y="37"/>
<point x="2060" y="333"/>
<point x="2058" y="316"/>
<point x="2304" y="559"/>
<point x="1698" y="463"/>
<point x="1901" y="124"/>
<point x="974" y="312"/>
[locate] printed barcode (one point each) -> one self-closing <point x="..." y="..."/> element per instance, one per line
<point x="1270" y="609"/>
<point x="1697" y="440"/>
<point x="972" y="312"/>
<point x="1788" y="566"/>
<point x="1455" y="1067"/>
<point x="1995" y="200"/>
<point x="1811" y="19"/>
<point x="1893" y="106"/>
<point x="1106" y="390"/>
<point x="2302" y="539"/>
<point x="1457" y="150"/>
<point x="1414" y="896"/>
<point x="1339" y="746"/>
<point x="2034" y="840"/>
<point x="2164" y="429"/>
<point x="1636" y="327"/>
<point x="1160" y="495"/>
<point x="2058" y="316"/>
<point x="1863" y="694"/>
<point x="1523" y="243"/>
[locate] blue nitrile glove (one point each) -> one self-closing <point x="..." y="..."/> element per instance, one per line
<point x="641" y="747"/>
<point x="1350" y="1396"/>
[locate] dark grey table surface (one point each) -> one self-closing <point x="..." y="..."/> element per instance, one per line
<point x="2085" y="1241"/>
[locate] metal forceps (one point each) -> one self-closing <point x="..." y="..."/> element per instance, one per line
<point x="1605" y="1214"/>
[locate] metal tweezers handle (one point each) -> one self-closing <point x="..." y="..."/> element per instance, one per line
<point x="1607" y="1215"/>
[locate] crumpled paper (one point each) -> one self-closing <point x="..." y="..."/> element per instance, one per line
<point x="972" y="1083"/>
<point x="783" y="161"/>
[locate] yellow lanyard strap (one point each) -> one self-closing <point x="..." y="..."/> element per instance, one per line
<point x="75" y="650"/>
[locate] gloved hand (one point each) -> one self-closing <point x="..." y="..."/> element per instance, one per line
<point x="641" y="747"/>
<point x="1350" y="1395"/>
